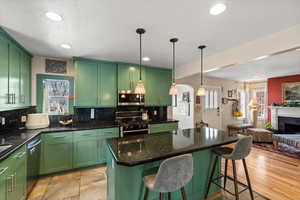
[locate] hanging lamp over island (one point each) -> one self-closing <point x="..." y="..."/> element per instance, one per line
<point x="140" y="88"/>
<point x="173" y="90"/>
<point x="201" y="89"/>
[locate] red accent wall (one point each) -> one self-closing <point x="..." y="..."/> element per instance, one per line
<point x="275" y="89"/>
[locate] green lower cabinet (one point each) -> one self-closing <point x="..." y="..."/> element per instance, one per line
<point x="163" y="127"/>
<point x="85" y="148"/>
<point x="13" y="175"/>
<point x="57" y="152"/>
<point x="102" y="148"/>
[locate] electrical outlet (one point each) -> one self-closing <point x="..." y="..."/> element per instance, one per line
<point x="155" y="112"/>
<point x="23" y="119"/>
<point x="2" y="121"/>
<point x="92" y="113"/>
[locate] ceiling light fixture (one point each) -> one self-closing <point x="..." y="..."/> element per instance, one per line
<point x="201" y="89"/>
<point x="217" y="9"/>
<point x="65" y="46"/>
<point x="173" y="90"/>
<point x="146" y="59"/>
<point x="261" y="57"/>
<point x="298" y="49"/>
<point x="140" y="88"/>
<point x="54" y="16"/>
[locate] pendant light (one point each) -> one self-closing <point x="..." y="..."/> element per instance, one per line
<point x="140" y="88"/>
<point x="173" y="89"/>
<point x="201" y="89"/>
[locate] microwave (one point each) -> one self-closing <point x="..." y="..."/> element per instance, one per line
<point x="130" y="99"/>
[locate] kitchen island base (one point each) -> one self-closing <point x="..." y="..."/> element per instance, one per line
<point x="126" y="182"/>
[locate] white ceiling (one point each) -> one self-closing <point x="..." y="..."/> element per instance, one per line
<point x="105" y="29"/>
<point x="273" y="66"/>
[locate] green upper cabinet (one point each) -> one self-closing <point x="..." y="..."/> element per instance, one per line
<point x="107" y="85"/>
<point x="95" y="83"/>
<point x="129" y="75"/>
<point x="14" y="75"/>
<point x="25" y="80"/>
<point x="3" y="73"/>
<point x="158" y="82"/>
<point x="86" y="82"/>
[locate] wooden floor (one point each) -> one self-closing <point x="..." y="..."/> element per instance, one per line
<point x="272" y="175"/>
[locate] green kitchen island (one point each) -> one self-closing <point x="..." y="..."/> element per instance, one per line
<point x="130" y="158"/>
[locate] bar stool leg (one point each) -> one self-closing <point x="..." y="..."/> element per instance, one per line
<point x="169" y="195"/>
<point x="161" y="196"/>
<point x="211" y="175"/>
<point x="248" y="179"/>
<point x="235" y="180"/>
<point x="225" y="173"/>
<point x="183" y="194"/>
<point x="146" y="194"/>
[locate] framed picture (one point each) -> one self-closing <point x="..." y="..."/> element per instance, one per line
<point x="291" y="92"/>
<point x="56" y="66"/>
<point x="229" y="93"/>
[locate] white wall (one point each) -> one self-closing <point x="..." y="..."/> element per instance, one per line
<point x="267" y="45"/>
<point x="226" y="85"/>
<point x="38" y="67"/>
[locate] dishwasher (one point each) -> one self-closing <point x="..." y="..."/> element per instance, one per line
<point x="33" y="162"/>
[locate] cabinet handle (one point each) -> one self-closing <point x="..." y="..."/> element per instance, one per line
<point x="15" y="182"/>
<point x="21" y="155"/>
<point x="11" y="177"/>
<point x="58" y="136"/>
<point x="14" y="98"/>
<point x="88" y="134"/>
<point x="2" y="170"/>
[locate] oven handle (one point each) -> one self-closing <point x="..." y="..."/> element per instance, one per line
<point x="133" y="131"/>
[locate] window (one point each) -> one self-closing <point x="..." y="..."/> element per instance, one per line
<point x="55" y="94"/>
<point x="211" y="99"/>
<point x="241" y="96"/>
<point x="259" y="95"/>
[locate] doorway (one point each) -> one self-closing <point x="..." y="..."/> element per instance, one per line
<point x="183" y="106"/>
<point x="211" y="107"/>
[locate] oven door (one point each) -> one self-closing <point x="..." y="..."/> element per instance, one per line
<point x="131" y="99"/>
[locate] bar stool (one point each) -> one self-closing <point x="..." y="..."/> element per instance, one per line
<point x="173" y="174"/>
<point x="239" y="152"/>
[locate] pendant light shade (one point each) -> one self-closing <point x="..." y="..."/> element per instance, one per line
<point x="140" y="88"/>
<point x="201" y="89"/>
<point x="173" y="90"/>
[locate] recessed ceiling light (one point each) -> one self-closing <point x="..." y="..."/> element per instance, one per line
<point x="261" y="57"/>
<point x="65" y="46"/>
<point x="146" y="59"/>
<point x="54" y="16"/>
<point x="217" y="9"/>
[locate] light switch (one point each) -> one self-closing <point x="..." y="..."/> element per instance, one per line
<point x="2" y="121"/>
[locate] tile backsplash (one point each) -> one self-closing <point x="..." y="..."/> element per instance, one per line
<point x="96" y="114"/>
<point x="13" y="119"/>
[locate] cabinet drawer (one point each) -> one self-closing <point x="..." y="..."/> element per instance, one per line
<point x="56" y="138"/>
<point x="85" y="135"/>
<point x="164" y="127"/>
<point x="109" y="132"/>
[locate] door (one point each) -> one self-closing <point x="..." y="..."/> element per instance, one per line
<point x="20" y="175"/>
<point x="107" y="88"/>
<point x="86" y="83"/>
<point x="25" y="80"/>
<point x="165" y="81"/>
<point x="211" y="107"/>
<point x="57" y="151"/>
<point x="183" y="106"/>
<point x="14" y="75"/>
<point x="3" y="74"/>
<point x="152" y="89"/>
<point x="128" y="75"/>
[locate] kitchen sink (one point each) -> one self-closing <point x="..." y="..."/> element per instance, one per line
<point x="3" y="147"/>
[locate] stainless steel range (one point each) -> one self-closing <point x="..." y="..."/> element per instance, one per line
<point x="131" y="122"/>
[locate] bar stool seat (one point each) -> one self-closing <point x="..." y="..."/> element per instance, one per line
<point x="173" y="174"/>
<point x="239" y="152"/>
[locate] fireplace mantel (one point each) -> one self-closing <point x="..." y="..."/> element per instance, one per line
<point x="279" y="111"/>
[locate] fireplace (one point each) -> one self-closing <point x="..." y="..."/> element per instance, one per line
<point x="288" y="125"/>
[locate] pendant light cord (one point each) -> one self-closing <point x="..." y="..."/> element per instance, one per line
<point x="140" y="57"/>
<point x="173" y="74"/>
<point x="201" y="67"/>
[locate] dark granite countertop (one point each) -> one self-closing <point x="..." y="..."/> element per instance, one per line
<point x="17" y="138"/>
<point x="135" y="150"/>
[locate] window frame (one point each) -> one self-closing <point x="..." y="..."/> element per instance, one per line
<point x="264" y="111"/>
<point x="40" y="90"/>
